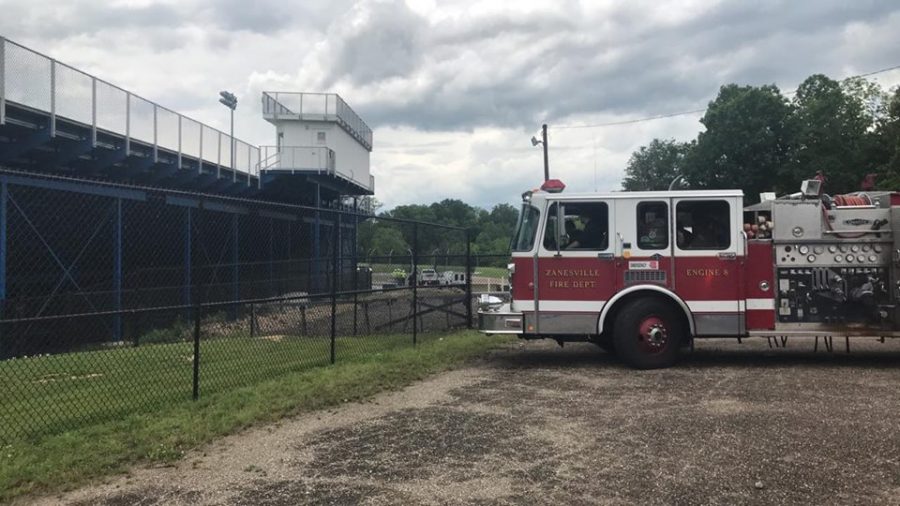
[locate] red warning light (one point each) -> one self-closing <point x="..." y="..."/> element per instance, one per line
<point x="553" y="186"/>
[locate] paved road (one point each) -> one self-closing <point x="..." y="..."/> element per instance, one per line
<point x="536" y="424"/>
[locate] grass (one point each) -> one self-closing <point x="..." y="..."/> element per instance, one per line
<point x="492" y="272"/>
<point x="55" y="459"/>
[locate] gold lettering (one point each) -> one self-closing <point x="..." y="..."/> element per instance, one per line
<point x="705" y="273"/>
<point x="571" y="278"/>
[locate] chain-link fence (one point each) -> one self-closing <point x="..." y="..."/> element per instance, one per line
<point x="119" y="300"/>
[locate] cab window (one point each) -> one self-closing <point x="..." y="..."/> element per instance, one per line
<point x="703" y="225"/>
<point x="526" y="229"/>
<point x="653" y="225"/>
<point x="585" y="227"/>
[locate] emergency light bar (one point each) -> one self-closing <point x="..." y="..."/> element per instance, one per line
<point x="553" y="186"/>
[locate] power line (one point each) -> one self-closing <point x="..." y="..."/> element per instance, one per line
<point x="693" y="111"/>
<point x="630" y="121"/>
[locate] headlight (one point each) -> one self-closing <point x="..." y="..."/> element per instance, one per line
<point x="488" y="302"/>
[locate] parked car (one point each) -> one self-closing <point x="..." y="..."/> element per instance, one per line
<point x="428" y="277"/>
<point x="452" y="278"/>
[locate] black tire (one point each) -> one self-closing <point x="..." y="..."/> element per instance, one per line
<point x="648" y="333"/>
<point x="606" y="344"/>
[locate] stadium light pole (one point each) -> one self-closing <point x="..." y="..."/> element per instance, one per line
<point x="230" y="101"/>
<point x="535" y="142"/>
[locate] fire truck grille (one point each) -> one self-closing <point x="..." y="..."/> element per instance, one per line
<point x="635" y="277"/>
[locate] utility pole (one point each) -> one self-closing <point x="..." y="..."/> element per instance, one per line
<point x="543" y="141"/>
<point x="546" y="159"/>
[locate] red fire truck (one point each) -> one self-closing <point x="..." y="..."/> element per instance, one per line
<point x="644" y="273"/>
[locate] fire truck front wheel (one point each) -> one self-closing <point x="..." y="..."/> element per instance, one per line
<point x="648" y="333"/>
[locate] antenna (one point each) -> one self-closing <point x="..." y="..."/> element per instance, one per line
<point x="594" y="143"/>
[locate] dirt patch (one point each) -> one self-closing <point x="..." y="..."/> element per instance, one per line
<point x="536" y="424"/>
<point x="293" y="492"/>
<point x="417" y="444"/>
<point x="146" y="496"/>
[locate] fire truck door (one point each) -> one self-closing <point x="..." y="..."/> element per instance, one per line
<point x="644" y="249"/>
<point x="576" y="266"/>
<point x="706" y="272"/>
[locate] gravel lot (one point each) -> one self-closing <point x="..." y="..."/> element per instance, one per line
<point x="536" y="424"/>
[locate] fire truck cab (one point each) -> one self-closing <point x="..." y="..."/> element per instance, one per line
<point x="644" y="273"/>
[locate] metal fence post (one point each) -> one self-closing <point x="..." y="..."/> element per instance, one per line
<point x="4" y="216"/>
<point x="117" y="270"/>
<point x="178" y="163"/>
<point x="355" y="264"/>
<point x="187" y="290"/>
<point x="197" y="316"/>
<point x="2" y="81"/>
<point x="127" y="123"/>
<point x="468" y="278"/>
<point x="93" y="112"/>
<point x="334" y="254"/>
<point x="235" y="265"/>
<point x="155" y="134"/>
<point x="52" y="98"/>
<point x="415" y="281"/>
<point x="355" y="296"/>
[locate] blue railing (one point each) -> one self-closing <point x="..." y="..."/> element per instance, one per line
<point x="32" y="80"/>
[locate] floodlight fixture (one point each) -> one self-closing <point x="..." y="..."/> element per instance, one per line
<point x="228" y="99"/>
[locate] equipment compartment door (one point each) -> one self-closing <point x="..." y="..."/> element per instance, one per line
<point x="706" y="263"/>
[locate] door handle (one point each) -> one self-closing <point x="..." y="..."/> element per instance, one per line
<point x="606" y="256"/>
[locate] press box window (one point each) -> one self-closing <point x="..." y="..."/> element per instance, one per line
<point x="653" y="225"/>
<point x="703" y="225"/>
<point x="585" y="227"/>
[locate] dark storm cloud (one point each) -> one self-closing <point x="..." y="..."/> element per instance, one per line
<point x="22" y="20"/>
<point x="88" y="17"/>
<point x="386" y="41"/>
<point x="516" y="71"/>
<point x="269" y="16"/>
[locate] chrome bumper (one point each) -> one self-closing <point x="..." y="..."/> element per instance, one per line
<point x="501" y="321"/>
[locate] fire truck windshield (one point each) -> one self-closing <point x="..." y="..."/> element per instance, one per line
<point x="526" y="230"/>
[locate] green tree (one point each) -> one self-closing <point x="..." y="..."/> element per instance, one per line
<point x="387" y="239"/>
<point x="831" y="134"/>
<point x="886" y="144"/>
<point x="490" y="231"/>
<point x="746" y="145"/>
<point x="505" y="216"/>
<point x="653" y="167"/>
<point x="455" y="212"/>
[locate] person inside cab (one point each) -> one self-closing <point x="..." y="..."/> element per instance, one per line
<point x="699" y="230"/>
<point x="592" y="235"/>
<point x="572" y="233"/>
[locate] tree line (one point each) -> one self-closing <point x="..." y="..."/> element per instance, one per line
<point x="490" y="230"/>
<point x="758" y="139"/>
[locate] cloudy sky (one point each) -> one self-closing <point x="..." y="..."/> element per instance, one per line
<point x="455" y="90"/>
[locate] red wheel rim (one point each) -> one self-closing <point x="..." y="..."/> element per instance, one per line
<point x="653" y="335"/>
